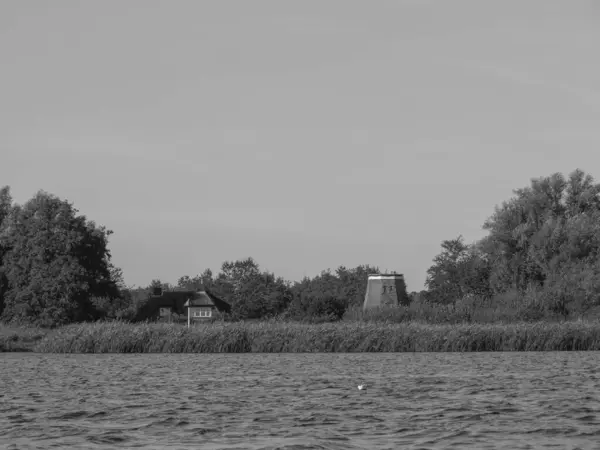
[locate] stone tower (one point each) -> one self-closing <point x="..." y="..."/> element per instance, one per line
<point x="384" y="290"/>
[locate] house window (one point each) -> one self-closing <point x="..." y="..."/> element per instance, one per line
<point x="203" y="313"/>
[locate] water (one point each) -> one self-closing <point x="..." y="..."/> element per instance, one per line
<point x="297" y="401"/>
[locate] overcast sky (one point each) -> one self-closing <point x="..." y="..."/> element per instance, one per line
<point x="306" y="134"/>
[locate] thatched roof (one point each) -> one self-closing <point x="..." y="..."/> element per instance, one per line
<point x="206" y="298"/>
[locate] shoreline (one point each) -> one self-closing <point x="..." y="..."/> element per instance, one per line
<point x="289" y="337"/>
<point x="20" y="339"/>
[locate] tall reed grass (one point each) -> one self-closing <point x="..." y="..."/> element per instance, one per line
<point x="506" y="308"/>
<point x="19" y="339"/>
<point x="272" y="337"/>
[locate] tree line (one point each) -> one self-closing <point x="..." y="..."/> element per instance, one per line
<point x="254" y="293"/>
<point x="542" y="245"/>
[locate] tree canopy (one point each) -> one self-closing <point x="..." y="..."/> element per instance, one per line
<point x="54" y="262"/>
<point x="545" y="240"/>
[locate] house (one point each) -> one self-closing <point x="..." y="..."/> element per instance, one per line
<point x="168" y="305"/>
<point x="202" y="305"/>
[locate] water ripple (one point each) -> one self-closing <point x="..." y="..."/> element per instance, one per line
<point x="300" y="401"/>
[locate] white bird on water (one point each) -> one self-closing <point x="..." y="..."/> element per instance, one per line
<point x="362" y="387"/>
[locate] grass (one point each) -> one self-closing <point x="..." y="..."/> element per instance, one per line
<point x="274" y="337"/>
<point x="20" y="339"/>
<point x="506" y="308"/>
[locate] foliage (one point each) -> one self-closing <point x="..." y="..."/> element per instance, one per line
<point x="198" y="282"/>
<point x="458" y="271"/>
<point x="542" y="231"/>
<point x="543" y="244"/>
<point x="5" y="208"/>
<point x="19" y="339"/>
<point x="273" y="336"/>
<point x="53" y="262"/>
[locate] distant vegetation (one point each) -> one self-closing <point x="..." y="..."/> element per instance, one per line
<point x="273" y="336"/>
<point x="540" y="261"/>
<point x="20" y="339"/>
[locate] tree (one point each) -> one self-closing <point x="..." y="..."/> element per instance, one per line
<point x="198" y="282"/>
<point x="444" y="277"/>
<point x="5" y="203"/>
<point x="5" y="208"/>
<point x="55" y="261"/>
<point x="545" y="226"/>
<point x="116" y="275"/>
<point x="253" y="293"/>
<point x="352" y="284"/>
<point x="458" y="271"/>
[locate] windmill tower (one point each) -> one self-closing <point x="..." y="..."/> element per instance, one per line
<point x="384" y="290"/>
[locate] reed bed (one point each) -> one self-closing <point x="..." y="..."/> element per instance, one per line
<point x="275" y="337"/>
<point x="19" y="339"/>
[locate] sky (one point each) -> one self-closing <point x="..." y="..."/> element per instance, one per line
<point x="307" y="135"/>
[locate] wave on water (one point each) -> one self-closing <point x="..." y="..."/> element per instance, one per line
<point x="300" y="401"/>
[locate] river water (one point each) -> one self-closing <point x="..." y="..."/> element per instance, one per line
<point x="300" y="401"/>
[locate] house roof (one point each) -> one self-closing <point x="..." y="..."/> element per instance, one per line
<point x="199" y="299"/>
<point x="206" y="298"/>
<point x="172" y="299"/>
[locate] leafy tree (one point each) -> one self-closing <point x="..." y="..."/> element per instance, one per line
<point x="202" y="281"/>
<point x="543" y="244"/>
<point x="239" y="272"/>
<point x="5" y="208"/>
<point x="131" y="303"/>
<point x="54" y="261"/>
<point x="5" y="203"/>
<point x="352" y="284"/>
<point x="546" y="226"/>
<point x="459" y="270"/>
<point x="157" y="283"/>
<point x="116" y="275"/>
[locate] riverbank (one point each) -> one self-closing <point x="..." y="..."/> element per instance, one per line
<point x="20" y="339"/>
<point x="277" y="337"/>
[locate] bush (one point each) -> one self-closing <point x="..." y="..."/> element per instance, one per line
<point x="19" y="339"/>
